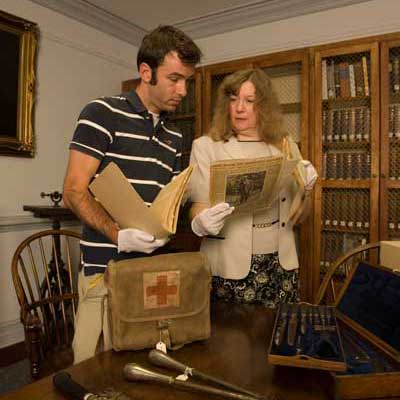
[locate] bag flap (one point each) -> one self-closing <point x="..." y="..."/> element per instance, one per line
<point x="371" y="304"/>
<point x="160" y="287"/>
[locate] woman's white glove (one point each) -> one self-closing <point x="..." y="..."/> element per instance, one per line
<point x="211" y="220"/>
<point x="310" y="176"/>
<point x="136" y="240"/>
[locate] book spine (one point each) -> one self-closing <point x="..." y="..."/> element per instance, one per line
<point x="331" y="80"/>
<point x="367" y="124"/>
<point x="324" y="125"/>
<point x="352" y="81"/>
<point x="329" y="123"/>
<point x="344" y="83"/>
<point x="358" y="77"/>
<point x="352" y="125"/>
<point x="365" y="75"/>
<point x="337" y="80"/>
<point x="344" y="134"/>
<point x="391" y="120"/>
<point x="337" y="124"/>
<point x="324" y="80"/>
<point x="396" y="74"/>
<point x="396" y="130"/>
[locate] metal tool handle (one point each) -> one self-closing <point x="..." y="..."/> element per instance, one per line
<point x="161" y="359"/>
<point x="134" y="372"/>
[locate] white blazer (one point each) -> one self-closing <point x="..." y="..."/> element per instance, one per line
<point x="231" y="258"/>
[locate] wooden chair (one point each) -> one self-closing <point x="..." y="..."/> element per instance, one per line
<point x="337" y="273"/>
<point x="45" y="268"/>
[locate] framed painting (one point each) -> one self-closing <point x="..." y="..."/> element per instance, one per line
<point x="18" y="39"/>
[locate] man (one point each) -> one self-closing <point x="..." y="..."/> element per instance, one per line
<point x="132" y="131"/>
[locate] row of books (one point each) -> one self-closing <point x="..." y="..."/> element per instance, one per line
<point x="394" y="162"/>
<point x="345" y="209"/>
<point x="188" y="104"/>
<point x="394" y="120"/>
<point x="346" y="124"/>
<point x="346" y="164"/>
<point x="334" y="245"/>
<point x="344" y="79"/>
<point x="394" y="71"/>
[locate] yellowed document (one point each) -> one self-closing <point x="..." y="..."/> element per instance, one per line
<point x="127" y="208"/>
<point x="249" y="184"/>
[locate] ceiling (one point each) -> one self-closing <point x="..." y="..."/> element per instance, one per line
<point x="129" y="20"/>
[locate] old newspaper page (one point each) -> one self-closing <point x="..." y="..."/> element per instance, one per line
<point x="249" y="185"/>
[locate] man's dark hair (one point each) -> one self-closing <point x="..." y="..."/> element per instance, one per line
<point x="162" y="40"/>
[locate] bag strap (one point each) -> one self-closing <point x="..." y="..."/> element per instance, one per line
<point x="165" y="337"/>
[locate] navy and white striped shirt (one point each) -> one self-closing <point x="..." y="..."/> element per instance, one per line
<point x="120" y="129"/>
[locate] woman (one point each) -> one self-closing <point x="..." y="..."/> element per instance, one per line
<point x="257" y="259"/>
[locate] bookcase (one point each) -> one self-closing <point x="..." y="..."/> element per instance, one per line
<point x="289" y="73"/>
<point x="390" y="140"/>
<point x="346" y="150"/>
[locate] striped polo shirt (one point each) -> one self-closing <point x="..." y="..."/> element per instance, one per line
<point x="120" y="129"/>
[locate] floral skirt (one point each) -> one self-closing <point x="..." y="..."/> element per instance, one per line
<point x="267" y="283"/>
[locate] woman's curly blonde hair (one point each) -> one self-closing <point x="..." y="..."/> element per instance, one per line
<point x="269" y="116"/>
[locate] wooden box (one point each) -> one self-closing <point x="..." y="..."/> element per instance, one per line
<point x="390" y="254"/>
<point x="307" y="336"/>
<point x="368" y="312"/>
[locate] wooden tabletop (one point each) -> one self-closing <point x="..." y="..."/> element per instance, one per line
<point x="236" y="352"/>
<point x="52" y="212"/>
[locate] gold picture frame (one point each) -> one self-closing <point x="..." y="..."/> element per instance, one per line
<point x="18" y="39"/>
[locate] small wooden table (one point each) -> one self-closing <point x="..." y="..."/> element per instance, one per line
<point x="236" y="352"/>
<point x="55" y="213"/>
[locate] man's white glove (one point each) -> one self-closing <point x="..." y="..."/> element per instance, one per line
<point x="136" y="240"/>
<point x="310" y="175"/>
<point x="211" y="220"/>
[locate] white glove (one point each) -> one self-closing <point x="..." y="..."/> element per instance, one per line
<point x="135" y="240"/>
<point x="211" y="220"/>
<point x="310" y="175"/>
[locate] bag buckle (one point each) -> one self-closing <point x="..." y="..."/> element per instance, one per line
<point x="162" y="326"/>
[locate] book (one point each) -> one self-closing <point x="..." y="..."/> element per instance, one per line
<point x="120" y="199"/>
<point x="344" y="80"/>
<point x="331" y="80"/>
<point x="337" y="81"/>
<point x="358" y="78"/>
<point x="396" y="74"/>
<point x="324" y="79"/>
<point x="365" y="75"/>
<point x="352" y="81"/>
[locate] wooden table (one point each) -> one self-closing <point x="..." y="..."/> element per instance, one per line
<point x="236" y="352"/>
<point x="55" y="213"/>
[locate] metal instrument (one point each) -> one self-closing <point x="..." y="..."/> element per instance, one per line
<point x="55" y="197"/>
<point x="161" y="359"/>
<point x="292" y="326"/>
<point x="134" y="372"/>
<point x="303" y="323"/>
<point x="280" y="329"/>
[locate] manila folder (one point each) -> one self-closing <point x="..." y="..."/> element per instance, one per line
<point x="120" y="199"/>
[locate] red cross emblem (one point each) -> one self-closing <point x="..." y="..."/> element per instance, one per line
<point x="161" y="289"/>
